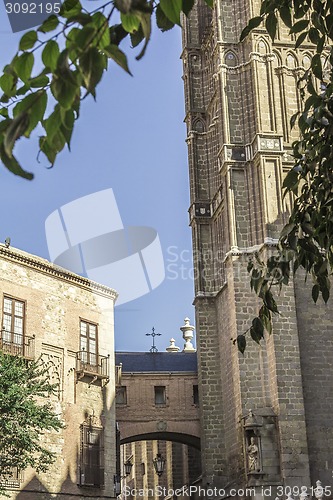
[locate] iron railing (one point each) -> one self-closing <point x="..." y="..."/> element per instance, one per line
<point x="17" y="344"/>
<point x="92" y="364"/>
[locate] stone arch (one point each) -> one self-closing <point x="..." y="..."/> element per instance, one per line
<point x="262" y="46"/>
<point x="199" y="125"/>
<point x="165" y="436"/>
<point x="278" y="58"/>
<point x="291" y="60"/>
<point x="230" y="58"/>
<point x="129" y="429"/>
<point x="306" y="60"/>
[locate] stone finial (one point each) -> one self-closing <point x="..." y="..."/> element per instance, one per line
<point x="304" y="493"/>
<point x="172" y="347"/>
<point x="319" y="490"/>
<point x="187" y="330"/>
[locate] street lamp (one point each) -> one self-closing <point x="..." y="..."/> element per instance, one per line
<point x="128" y="467"/>
<point x="159" y="464"/>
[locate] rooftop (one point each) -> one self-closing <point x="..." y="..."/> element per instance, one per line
<point x="140" y="362"/>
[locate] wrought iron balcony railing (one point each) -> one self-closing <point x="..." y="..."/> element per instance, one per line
<point x="17" y="344"/>
<point x="92" y="364"/>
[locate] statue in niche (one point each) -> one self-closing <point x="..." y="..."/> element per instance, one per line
<point x="253" y="456"/>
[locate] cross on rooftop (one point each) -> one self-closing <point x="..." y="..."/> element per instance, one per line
<point x="153" y="334"/>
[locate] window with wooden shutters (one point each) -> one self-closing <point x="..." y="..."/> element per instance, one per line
<point x="12" y="331"/>
<point x="92" y="456"/>
<point x="88" y="344"/>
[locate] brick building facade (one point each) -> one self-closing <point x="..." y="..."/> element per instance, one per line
<point x="67" y="320"/>
<point x="157" y="412"/>
<point x="239" y="98"/>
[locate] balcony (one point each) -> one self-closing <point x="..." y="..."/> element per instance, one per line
<point x="92" y="366"/>
<point x="17" y="344"/>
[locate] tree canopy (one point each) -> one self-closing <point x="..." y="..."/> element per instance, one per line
<point x="26" y="415"/>
<point x="74" y="47"/>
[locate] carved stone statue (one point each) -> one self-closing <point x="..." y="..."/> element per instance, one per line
<point x="253" y="456"/>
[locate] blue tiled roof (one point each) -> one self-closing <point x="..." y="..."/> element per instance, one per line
<point x="157" y="362"/>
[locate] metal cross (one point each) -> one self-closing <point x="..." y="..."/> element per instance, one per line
<point x="153" y="334"/>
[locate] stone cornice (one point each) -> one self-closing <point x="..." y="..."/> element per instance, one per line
<point x="44" y="266"/>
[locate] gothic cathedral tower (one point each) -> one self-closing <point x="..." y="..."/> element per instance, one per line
<point x="265" y="415"/>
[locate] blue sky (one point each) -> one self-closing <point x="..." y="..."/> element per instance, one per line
<point x="133" y="141"/>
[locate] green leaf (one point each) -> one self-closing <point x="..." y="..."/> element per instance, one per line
<point x="285" y="15"/>
<point x="316" y="66"/>
<point x="23" y="66"/>
<point x="92" y="65"/>
<point x="130" y="22"/>
<point x="46" y="148"/>
<point x="271" y="24"/>
<point x="70" y="8"/>
<point x="314" y="35"/>
<point x="270" y="302"/>
<point x="16" y="129"/>
<point x="65" y="89"/>
<point x="300" y="39"/>
<point x="102" y="25"/>
<point x="172" y="10"/>
<point x="187" y="6"/>
<point x="241" y="343"/>
<point x="39" y="81"/>
<point x="85" y="37"/>
<point x="113" y="52"/>
<point x="7" y="83"/>
<point x="53" y="123"/>
<point x="257" y="330"/>
<point x="50" y="54"/>
<point x="288" y="228"/>
<point x="210" y="3"/>
<point x="28" y="40"/>
<point x="299" y="26"/>
<point x="315" y="292"/>
<point x="162" y="21"/>
<point x="253" y="23"/>
<point x="49" y="24"/>
<point x="290" y="180"/>
<point x="13" y="166"/>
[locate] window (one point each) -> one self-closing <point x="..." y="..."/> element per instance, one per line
<point x="160" y="398"/>
<point x="92" y="456"/>
<point x="121" y="395"/>
<point x="195" y="395"/>
<point x="12" y="334"/>
<point x="88" y="343"/>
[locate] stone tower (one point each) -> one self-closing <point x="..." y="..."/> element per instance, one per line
<point x="239" y="98"/>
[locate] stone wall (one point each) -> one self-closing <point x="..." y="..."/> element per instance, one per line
<point x="55" y="302"/>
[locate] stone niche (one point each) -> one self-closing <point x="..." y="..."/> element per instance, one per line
<point x="261" y="448"/>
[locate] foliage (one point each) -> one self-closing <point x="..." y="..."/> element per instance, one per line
<point x="307" y="240"/>
<point x="25" y="415"/>
<point x="75" y="48"/>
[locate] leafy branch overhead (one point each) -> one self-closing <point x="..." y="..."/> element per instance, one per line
<point x="74" y="48"/>
<point x="307" y="240"/>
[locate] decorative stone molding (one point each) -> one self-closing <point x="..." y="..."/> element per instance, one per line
<point x="46" y="267"/>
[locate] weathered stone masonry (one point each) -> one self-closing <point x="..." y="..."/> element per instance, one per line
<point x="239" y="98"/>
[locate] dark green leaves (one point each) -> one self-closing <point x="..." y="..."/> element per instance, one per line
<point x="28" y="40"/>
<point x="172" y="9"/>
<point x="92" y="65"/>
<point x="118" y="56"/>
<point x="50" y="55"/>
<point x="253" y="23"/>
<point x="241" y="343"/>
<point x="162" y="21"/>
<point x="23" y="66"/>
